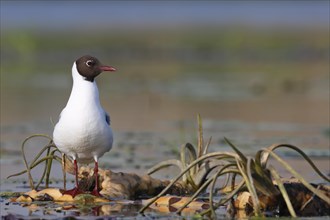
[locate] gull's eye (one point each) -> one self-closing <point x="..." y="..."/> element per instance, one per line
<point x="90" y="63"/>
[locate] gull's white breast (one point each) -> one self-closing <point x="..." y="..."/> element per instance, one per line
<point x="82" y="131"/>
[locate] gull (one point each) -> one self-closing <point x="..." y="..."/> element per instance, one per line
<point x="83" y="132"/>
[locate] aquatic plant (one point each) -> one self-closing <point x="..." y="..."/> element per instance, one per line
<point x="250" y="182"/>
<point x="51" y="152"/>
<point x="263" y="182"/>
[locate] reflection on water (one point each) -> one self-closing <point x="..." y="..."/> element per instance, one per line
<point x="110" y="210"/>
<point x="61" y="210"/>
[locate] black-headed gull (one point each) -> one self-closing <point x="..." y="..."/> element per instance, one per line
<point x="83" y="131"/>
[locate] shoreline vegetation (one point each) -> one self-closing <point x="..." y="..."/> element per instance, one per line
<point x="251" y="183"/>
<point x="206" y="49"/>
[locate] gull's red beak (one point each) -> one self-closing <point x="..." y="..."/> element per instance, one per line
<point x="107" y="68"/>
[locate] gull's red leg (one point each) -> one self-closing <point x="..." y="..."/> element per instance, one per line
<point x="96" y="191"/>
<point x="75" y="191"/>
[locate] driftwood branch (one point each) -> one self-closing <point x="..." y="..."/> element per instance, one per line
<point x="129" y="185"/>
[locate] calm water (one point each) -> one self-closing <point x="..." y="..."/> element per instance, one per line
<point x="151" y="125"/>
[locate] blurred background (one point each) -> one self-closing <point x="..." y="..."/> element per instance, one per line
<point x="257" y="72"/>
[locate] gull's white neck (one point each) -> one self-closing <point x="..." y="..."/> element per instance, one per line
<point x="82" y="131"/>
<point x="83" y="91"/>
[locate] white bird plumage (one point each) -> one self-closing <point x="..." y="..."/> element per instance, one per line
<point x="83" y="131"/>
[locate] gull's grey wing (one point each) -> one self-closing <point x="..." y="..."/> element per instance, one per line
<point x="107" y="118"/>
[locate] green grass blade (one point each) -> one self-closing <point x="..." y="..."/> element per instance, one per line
<point x="249" y="184"/>
<point x="200" y="145"/>
<point x="193" y="156"/>
<point x="274" y="147"/>
<point x="206" y="148"/>
<point x="240" y="154"/>
<point x="204" y="157"/>
<point x="283" y="191"/>
<point x="164" y="164"/>
<point x="317" y="192"/>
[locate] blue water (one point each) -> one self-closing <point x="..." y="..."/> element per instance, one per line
<point x="57" y="15"/>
